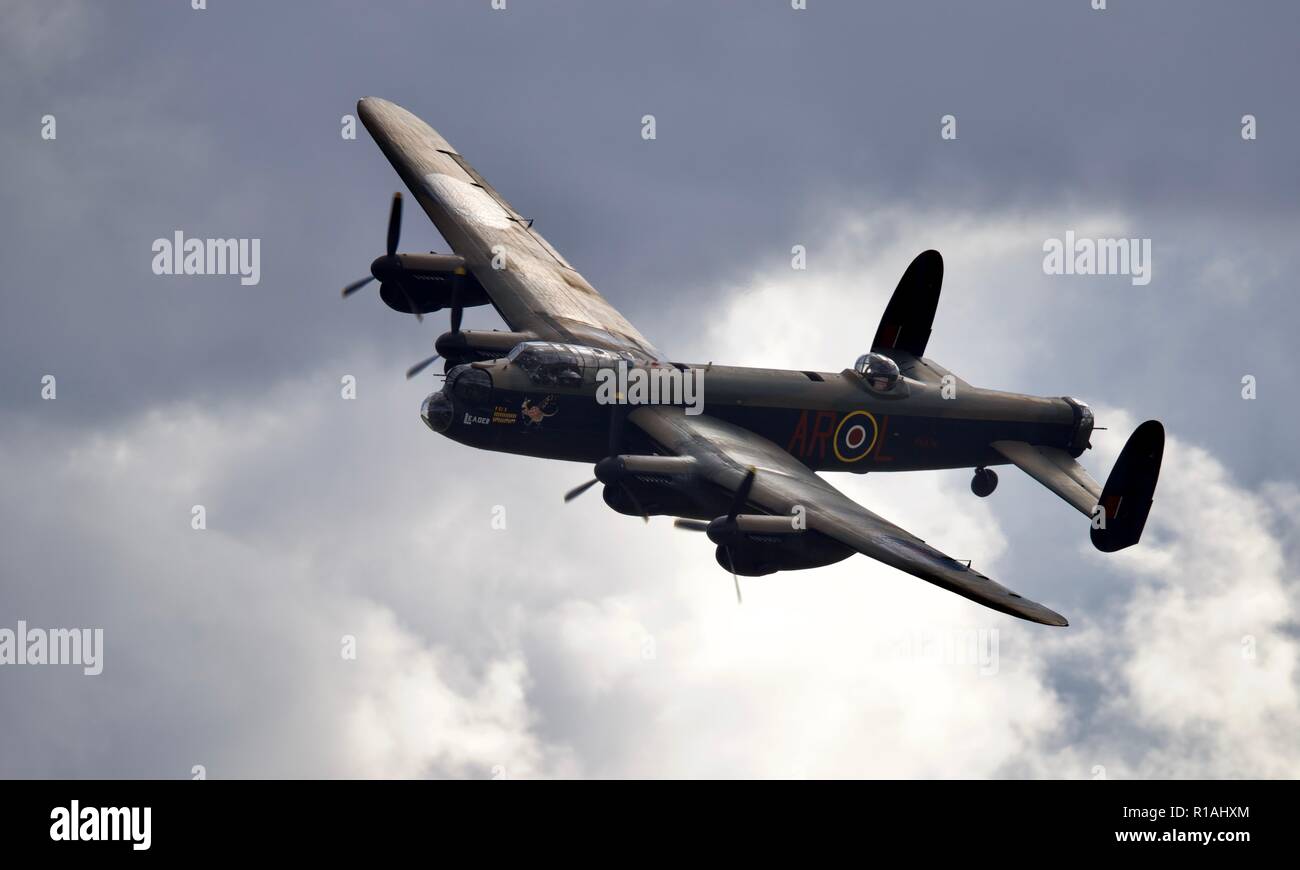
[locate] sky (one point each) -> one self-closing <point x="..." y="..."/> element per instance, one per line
<point x="575" y="642"/>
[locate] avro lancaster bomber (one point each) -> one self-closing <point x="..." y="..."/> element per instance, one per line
<point x="741" y="465"/>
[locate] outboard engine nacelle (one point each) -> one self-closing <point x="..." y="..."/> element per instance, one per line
<point x="429" y="282"/>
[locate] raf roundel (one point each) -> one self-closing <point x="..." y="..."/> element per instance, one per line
<point x="855" y="436"/>
<point x="467" y="201"/>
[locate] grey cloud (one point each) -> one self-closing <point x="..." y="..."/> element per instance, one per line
<point x="775" y="128"/>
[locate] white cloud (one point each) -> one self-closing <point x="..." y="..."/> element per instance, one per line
<point x="236" y="630"/>
<point x="1206" y="655"/>
<point x="1209" y="576"/>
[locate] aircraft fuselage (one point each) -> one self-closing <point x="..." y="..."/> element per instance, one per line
<point x="828" y="421"/>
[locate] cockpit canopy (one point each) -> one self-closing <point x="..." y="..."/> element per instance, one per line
<point x="549" y="363"/>
<point x="879" y="371"/>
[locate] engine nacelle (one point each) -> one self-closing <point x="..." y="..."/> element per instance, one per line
<point x="637" y="499"/>
<point x="649" y="485"/>
<point x="757" y="545"/>
<point x="429" y="282"/>
<point x="809" y="550"/>
<point x="477" y="345"/>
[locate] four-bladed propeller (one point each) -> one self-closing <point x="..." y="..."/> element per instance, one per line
<point x="388" y="268"/>
<point x="388" y="271"/>
<point x="457" y="312"/>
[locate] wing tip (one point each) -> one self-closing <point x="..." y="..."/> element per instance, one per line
<point x="1045" y="616"/>
<point x="394" y="126"/>
<point x="1024" y="608"/>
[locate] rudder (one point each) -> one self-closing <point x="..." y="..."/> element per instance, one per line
<point x="909" y="315"/>
<point x="1126" y="498"/>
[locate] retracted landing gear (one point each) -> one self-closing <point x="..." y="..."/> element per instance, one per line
<point x="984" y="482"/>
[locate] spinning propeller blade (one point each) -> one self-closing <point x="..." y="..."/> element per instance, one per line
<point x="617" y="414"/>
<point x="579" y="490"/>
<point x="742" y="494"/>
<point x="392" y="268"/>
<point x="734" y="577"/>
<point x="395" y="223"/>
<point x="420" y="366"/>
<point x="357" y="285"/>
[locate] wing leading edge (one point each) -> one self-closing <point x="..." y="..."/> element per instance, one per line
<point x="724" y="453"/>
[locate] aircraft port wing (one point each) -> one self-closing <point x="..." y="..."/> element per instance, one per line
<point x="724" y="455"/>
